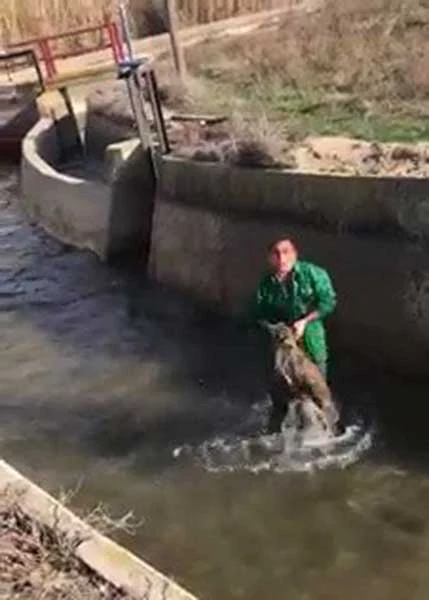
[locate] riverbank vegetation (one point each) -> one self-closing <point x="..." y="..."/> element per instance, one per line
<point x="37" y="562"/>
<point x="354" y="69"/>
<point x="24" y="19"/>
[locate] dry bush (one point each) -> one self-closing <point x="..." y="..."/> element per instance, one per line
<point x="377" y="49"/>
<point x="23" y="19"/>
<point x="250" y="144"/>
<point x="250" y="153"/>
<point x="148" y="17"/>
<point x="204" y="11"/>
<point x="37" y="562"/>
<point x="256" y="143"/>
<point x="111" y="100"/>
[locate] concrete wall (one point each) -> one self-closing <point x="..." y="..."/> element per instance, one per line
<point x="110" y="220"/>
<point x="101" y="131"/>
<point x="132" y="192"/>
<point x="212" y="226"/>
<point x="76" y="211"/>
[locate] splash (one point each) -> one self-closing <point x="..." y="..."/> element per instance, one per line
<point x="291" y="450"/>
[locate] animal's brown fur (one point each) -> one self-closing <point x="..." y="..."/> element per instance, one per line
<point x="302" y="377"/>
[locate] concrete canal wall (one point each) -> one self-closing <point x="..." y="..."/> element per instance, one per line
<point x="212" y="224"/>
<point x="111" y="217"/>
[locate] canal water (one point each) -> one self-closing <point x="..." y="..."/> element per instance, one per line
<point x="103" y="377"/>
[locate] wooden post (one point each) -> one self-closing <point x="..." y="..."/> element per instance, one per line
<point x="173" y="27"/>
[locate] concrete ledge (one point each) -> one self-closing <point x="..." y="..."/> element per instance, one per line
<point x="112" y="562"/>
<point x="112" y="219"/>
<point x="76" y="211"/>
<point x="337" y="203"/>
<point x="117" y="154"/>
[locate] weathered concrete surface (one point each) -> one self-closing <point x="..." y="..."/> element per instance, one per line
<point x="100" y="132"/>
<point x="212" y="226"/>
<point x="110" y="220"/>
<point x="76" y="211"/>
<point x="334" y="203"/>
<point x="112" y="562"/>
<point x="132" y="180"/>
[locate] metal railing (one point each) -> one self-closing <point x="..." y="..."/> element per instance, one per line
<point x="18" y="59"/>
<point x="47" y="52"/>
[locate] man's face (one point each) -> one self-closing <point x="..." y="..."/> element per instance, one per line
<point x="283" y="257"/>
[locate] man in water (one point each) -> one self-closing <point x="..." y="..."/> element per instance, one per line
<point x="299" y="294"/>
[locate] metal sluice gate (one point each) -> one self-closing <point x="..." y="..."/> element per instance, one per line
<point x="139" y="75"/>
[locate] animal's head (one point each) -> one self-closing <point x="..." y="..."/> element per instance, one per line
<point x="282" y="335"/>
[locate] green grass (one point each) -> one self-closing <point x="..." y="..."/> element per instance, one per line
<point x="314" y="112"/>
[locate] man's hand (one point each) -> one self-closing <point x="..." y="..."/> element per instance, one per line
<point x="299" y="328"/>
<point x="300" y="325"/>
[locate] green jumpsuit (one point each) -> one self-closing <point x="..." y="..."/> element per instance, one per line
<point x="308" y="288"/>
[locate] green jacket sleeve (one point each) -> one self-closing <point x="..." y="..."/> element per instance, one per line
<point x="326" y="298"/>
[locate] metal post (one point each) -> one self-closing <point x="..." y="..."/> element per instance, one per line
<point x="133" y="86"/>
<point x="176" y="47"/>
<point x="115" y="43"/>
<point x="47" y="57"/>
<point x="38" y="70"/>
<point x="149" y="75"/>
<point x="125" y="30"/>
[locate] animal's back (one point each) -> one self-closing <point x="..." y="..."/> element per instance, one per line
<point x="302" y="375"/>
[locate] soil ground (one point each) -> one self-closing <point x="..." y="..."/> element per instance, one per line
<point x="37" y="563"/>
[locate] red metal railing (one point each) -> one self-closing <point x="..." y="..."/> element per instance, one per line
<point x="46" y="52"/>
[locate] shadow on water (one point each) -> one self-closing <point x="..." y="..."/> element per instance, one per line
<point x="103" y="374"/>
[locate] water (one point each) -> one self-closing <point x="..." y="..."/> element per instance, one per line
<point x="293" y="450"/>
<point x="103" y="377"/>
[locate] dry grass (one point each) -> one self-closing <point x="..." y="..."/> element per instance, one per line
<point x="343" y="69"/>
<point x="37" y="562"/>
<point x="239" y="143"/>
<point x="23" y="19"/>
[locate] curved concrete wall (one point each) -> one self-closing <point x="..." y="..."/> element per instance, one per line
<point x="74" y="210"/>
<point x="110" y="220"/>
<point x="213" y="224"/>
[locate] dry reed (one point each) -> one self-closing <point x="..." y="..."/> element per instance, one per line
<point x="355" y="52"/>
<point x="23" y="19"/>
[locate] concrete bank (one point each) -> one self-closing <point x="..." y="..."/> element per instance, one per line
<point x="112" y="562"/>
<point x="109" y="215"/>
<point x="213" y="224"/>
